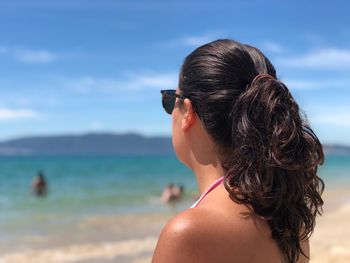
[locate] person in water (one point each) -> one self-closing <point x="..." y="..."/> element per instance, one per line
<point x="254" y="156"/>
<point x="39" y="185"/>
<point x="172" y="193"/>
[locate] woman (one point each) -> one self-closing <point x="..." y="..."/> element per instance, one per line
<point x="254" y="157"/>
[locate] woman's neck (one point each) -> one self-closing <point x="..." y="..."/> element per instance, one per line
<point x="203" y="157"/>
<point x="206" y="175"/>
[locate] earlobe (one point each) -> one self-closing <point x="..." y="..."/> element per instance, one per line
<point x="185" y="122"/>
<point x="189" y="116"/>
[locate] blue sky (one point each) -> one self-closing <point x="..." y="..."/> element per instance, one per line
<point x="95" y="66"/>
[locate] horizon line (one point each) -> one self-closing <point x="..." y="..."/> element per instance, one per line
<point x="120" y="133"/>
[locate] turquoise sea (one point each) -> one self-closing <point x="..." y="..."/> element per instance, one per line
<point x="86" y="186"/>
<point x="83" y="186"/>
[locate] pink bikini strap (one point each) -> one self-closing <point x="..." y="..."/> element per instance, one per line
<point x="213" y="186"/>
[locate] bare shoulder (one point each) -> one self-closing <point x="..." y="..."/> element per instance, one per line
<point x="196" y="235"/>
<point x="176" y="241"/>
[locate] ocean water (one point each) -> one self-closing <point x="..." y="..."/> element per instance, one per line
<point x="86" y="186"/>
<point x="336" y="170"/>
<point x="83" y="187"/>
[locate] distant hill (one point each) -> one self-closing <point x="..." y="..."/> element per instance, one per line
<point x="104" y="143"/>
<point x="88" y="144"/>
<point x="336" y="149"/>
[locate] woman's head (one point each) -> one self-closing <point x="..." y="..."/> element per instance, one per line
<point x="214" y="75"/>
<point x="268" y="151"/>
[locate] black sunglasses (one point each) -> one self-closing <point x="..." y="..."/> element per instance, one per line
<point x="168" y="99"/>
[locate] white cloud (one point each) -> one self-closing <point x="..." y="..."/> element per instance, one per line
<point x="317" y="84"/>
<point x="300" y="84"/>
<point x="273" y="47"/>
<point x="30" y="98"/>
<point x="330" y="58"/>
<point x="35" y="56"/>
<point x="339" y="119"/>
<point x="157" y="81"/>
<point x="15" y="114"/>
<point x="331" y="115"/>
<point x="129" y="83"/>
<point x="196" y="41"/>
<point x="193" y="41"/>
<point x="29" y="56"/>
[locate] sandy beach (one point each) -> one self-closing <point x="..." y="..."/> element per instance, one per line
<point x="131" y="239"/>
<point x="122" y="251"/>
<point x="330" y="242"/>
<point x="95" y="239"/>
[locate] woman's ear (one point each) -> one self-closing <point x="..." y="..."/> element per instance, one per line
<point x="189" y="116"/>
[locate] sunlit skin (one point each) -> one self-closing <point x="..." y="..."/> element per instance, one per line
<point x="218" y="230"/>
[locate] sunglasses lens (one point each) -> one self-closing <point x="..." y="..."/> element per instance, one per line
<point x="168" y="102"/>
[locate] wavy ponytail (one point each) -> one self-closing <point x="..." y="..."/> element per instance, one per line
<point x="269" y="152"/>
<point x="274" y="163"/>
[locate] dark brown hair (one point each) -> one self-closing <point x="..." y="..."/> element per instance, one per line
<point x="269" y="152"/>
